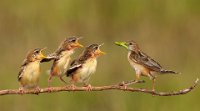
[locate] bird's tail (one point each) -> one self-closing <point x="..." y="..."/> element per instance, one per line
<point x="163" y="71"/>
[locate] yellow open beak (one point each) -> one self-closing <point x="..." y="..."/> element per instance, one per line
<point x="77" y="44"/>
<point x="78" y="38"/>
<point x="99" y="52"/>
<point x="41" y="54"/>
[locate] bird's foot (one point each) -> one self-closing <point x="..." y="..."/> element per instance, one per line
<point x="153" y="90"/>
<point x="124" y="85"/>
<point x="72" y="87"/>
<point x="21" y="90"/>
<point x="37" y="90"/>
<point x="50" y="89"/>
<point x="88" y="87"/>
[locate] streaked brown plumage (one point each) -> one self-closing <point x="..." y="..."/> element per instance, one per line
<point x="143" y="64"/>
<point x="83" y="67"/>
<point x="62" y="57"/>
<point x="30" y="69"/>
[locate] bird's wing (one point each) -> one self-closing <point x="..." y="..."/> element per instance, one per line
<point x="23" y="66"/>
<point x="75" y="65"/>
<point x="143" y="59"/>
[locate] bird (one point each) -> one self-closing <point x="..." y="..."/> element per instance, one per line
<point x="62" y="58"/>
<point x="29" y="73"/>
<point x="143" y="64"/>
<point x="85" y="65"/>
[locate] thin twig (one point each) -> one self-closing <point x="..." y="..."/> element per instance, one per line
<point x="119" y="86"/>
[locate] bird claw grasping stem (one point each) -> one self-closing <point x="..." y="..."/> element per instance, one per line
<point x="50" y="89"/>
<point x="123" y="84"/>
<point x="37" y="90"/>
<point x="89" y="87"/>
<point x="72" y="87"/>
<point x="21" y="90"/>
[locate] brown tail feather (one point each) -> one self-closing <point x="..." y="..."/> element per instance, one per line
<point x="163" y="71"/>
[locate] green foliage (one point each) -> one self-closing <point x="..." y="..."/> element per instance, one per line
<point x="123" y="44"/>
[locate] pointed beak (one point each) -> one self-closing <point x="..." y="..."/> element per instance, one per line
<point x="78" y="38"/>
<point x="99" y="52"/>
<point x="41" y="54"/>
<point x="123" y="44"/>
<point x="77" y="44"/>
<point x="101" y="44"/>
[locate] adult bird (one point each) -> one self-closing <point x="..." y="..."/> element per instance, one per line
<point x="143" y="64"/>
<point x="62" y="57"/>
<point x="30" y="70"/>
<point x="85" y="65"/>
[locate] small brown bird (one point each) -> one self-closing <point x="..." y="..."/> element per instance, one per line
<point x="30" y="70"/>
<point x="142" y="63"/>
<point x="82" y="68"/>
<point x="62" y="57"/>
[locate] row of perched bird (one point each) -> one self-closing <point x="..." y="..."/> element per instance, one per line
<point x="81" y="69"/>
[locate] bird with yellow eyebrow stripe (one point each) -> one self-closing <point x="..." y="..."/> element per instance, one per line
<point x="62" y="58"/>
<point x="30" y="70"/>
<point x="143" y="64"/>
<point x="83" y="67"/>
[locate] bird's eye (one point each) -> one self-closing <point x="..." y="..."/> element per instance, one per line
<point x="95" y="47"/>
<point x="130" y="43"/>
<point x="37" y="51"/>
<point x="73" y="40"/>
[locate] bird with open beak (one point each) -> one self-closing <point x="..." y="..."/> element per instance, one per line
<point x="30" y="70"/>
<point x="62" y="57"/>
<point x="142" y="63"/>
<point x="85" y="65"/>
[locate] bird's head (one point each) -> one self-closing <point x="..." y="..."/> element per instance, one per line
<point x="94" y="50"/>
<point x="71" y="43"/>
<point x="36" y="54"/>
<point x="129" y="45"/>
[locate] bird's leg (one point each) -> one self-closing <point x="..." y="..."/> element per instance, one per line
<point x="153" y="78"/>
<point x="137" y="77"/>
<point x="62" y="79"/>
<point x="49" y="83"/>
<point x="88" y="86"/>
<point x="153" y="86"/>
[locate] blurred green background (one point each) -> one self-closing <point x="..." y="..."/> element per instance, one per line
<point x="167" y="30"/>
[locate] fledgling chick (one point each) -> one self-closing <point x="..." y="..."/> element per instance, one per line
<point x="82" y="68"/>
<point x="30" y="70"/>
<point x="62" y="57"/>
<point x="143" y="64"/>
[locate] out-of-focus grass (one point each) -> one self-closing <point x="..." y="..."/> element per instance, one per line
<point x="167" y="30"/>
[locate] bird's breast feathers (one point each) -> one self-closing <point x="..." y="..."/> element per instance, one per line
<point x="67" y="53"/>
<point x="88" y="68"/>
<point x="64" y="61"/>
<point x="139" y="69"/>
<point x="31" y="73"/>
